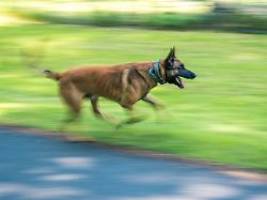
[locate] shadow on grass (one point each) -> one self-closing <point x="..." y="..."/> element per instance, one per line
<point x="223" y="17"/>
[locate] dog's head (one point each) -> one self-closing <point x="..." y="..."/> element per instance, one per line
<point x="175" y="69"/>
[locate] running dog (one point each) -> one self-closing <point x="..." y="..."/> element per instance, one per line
<point x="125" y="83"/>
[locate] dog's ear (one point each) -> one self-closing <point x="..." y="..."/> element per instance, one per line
<point x="173" y="49"/>
<point x="171" y="54"/>
<point x="174" y="53"/>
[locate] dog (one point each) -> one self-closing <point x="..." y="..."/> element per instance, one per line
<point x="125" y="84"/>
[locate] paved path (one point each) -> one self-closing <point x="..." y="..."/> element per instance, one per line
<point x="37" y="167"/>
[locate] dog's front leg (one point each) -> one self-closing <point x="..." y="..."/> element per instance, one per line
<point x="153" y="102"/>
<point x="133" y="118"/>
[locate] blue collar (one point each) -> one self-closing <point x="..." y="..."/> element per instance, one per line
<point x="154" y="73"/>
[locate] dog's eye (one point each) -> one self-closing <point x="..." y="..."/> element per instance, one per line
<point x="172" y="60"/>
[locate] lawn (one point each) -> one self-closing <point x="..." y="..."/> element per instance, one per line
<point x="219" y="117"/>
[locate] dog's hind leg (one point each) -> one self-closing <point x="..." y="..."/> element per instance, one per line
<point x="94" y="102"/>
<point x="152" y="102"/>
<point x="72" y="98"/>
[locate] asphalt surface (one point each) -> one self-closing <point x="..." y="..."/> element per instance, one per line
<point x="38" y="167"/>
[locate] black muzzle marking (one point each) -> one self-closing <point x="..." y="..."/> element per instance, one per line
<point x="173" y="76"/>
<point x="186" y="74"/>
<point x="181" y="72"/>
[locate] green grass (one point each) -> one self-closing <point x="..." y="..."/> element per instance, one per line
<point x="220" y="116"/>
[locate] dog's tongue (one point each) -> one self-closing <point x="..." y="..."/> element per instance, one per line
<point x="179" y="82"/>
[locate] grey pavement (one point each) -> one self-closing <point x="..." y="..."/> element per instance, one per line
<point x="39" y="167"/>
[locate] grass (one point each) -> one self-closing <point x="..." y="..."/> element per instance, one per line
<point x="220" y="116"/>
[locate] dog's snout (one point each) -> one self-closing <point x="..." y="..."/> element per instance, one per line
<point x="187" y="74"/>
<point x="193" y="75"/>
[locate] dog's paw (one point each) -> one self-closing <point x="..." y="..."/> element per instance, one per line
<point x="160" y="107"/>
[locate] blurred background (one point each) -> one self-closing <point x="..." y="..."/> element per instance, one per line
<point x="219" y="117"/>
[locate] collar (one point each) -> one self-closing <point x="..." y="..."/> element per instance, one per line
<point x="154" y="73"/>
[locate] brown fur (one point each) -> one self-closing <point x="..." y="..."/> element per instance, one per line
<point x="125" y="84"/>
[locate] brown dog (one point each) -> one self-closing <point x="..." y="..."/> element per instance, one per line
<point x="125" y="84"/>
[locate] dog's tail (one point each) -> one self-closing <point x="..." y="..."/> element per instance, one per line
<point x="52" y="75"/>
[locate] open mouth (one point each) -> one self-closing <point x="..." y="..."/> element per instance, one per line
<point x="179" y="82"/>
